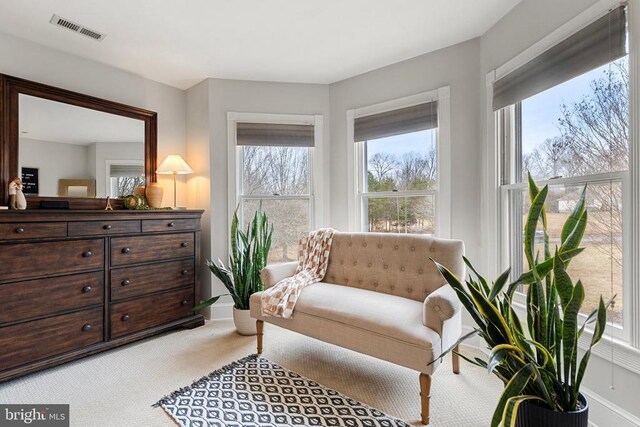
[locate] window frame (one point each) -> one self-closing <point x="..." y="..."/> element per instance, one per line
<point x="317" y="203"/>
<point x="356" y="154"/>
<point x="110" y="162"/>
<point x="624" y="352"/>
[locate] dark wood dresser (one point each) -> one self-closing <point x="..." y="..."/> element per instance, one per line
<point x="74" y="283"/>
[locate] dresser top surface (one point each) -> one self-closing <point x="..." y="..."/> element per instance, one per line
<point x="94" y="215"/>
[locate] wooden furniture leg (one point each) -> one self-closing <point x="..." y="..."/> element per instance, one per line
<point x="259" y="326"/>
<point x="425" y="394"/>
<point x="455" y="361"/>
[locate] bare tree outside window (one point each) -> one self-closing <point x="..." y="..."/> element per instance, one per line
<point x="278" y="177"/>
<point x="591" y="137"/>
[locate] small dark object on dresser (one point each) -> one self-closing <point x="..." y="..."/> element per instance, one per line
<point x="54" y="204"/>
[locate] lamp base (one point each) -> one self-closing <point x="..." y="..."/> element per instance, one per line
<point x="178" y="208"/>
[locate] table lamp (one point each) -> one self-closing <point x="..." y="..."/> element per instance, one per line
<point x="175" y="165"/>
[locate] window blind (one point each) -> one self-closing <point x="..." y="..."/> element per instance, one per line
<point x="272" y="134"/>
<point x="126" y="170"/>
<point x="597" y="44"/>
<point x="396" y="122"/>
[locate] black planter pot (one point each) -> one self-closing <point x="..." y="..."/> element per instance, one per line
<point x="532" y="415"/>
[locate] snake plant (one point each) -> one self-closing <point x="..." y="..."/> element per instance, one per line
<point x="536" y="358"/>
<point x="249" y="252"/>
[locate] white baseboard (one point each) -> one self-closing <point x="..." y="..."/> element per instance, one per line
<point x="221" y="311"/>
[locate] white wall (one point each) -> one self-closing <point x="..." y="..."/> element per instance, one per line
<point x="55" y="161"/>
<point x="35" y="62"/>
<point x="456" y="66"/>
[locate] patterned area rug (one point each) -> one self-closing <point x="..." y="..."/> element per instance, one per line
<point x="256" y="392"/>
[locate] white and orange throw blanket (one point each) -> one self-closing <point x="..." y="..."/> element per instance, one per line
<point x="313" y="258"/>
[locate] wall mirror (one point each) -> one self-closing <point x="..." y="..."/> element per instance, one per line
<point x="74" y="146"/>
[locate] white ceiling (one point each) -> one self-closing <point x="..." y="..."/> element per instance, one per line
<point x="53" y="121"/>
<point x="182" y="42"/>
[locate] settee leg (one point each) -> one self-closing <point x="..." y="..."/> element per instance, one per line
<point x="259" y="327"/>
<point x="455" y="361"/>
<point x="425" y="395"/>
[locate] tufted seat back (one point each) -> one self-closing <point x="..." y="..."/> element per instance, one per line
<point x="396" y="264"/>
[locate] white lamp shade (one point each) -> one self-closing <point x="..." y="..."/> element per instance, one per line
<point x="174" y="164"/>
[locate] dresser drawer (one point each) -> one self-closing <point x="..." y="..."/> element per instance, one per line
<point x="35" y="298"/>
<point x="131" y="250"/>
<point x="155" y="225"/>
<point x="135" y="281"/>
<point x="33" y="230"/>
<point x="27" y="260"/>
<point x="92" y="228"/>
<point x="31" y="341"/>
<point x="147" y="312"/>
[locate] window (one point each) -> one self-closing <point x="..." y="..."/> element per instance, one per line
<point x="124" y="178"/>
<point x="564" y="118"/>
<point x="399" y="157"/>
<point x="275" y="169"/>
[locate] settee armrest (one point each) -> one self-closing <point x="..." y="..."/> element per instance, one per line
<point x="274" y="273"/>
<point x="439" y="306"/>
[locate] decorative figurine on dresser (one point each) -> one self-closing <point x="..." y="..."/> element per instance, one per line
<point x="81" y="280"/>
<point x="17" y="200"/>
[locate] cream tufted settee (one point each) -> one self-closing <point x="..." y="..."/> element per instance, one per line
<point x="381" y="296"/>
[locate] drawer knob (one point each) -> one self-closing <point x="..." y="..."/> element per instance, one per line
<point x="184" y="302"/>
<point x="171" y="224"/>
<point x="184" y="244"/>
<point x="87" y="327"/>
<point x="87" y="289"/>
<point x="20" y="230"/>
<point x="126" y="282"/>
<point x="184" y="272"/>
<point x="125" y="317"/>
<point x="87" y="254"/>
<point x="107" y="227"/>
<point x="126" y="250"/>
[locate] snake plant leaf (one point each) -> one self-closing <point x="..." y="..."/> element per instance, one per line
<point x="570" y="337"/>
<point x="533" y="193"/>
<point x="597" y="335"/>
<point x="460" y="340"/>
<point x="207" y="303"/>
<point x="511" y="409"/>
<point x="482" y="280"/>
<point x="574" y="239"/>
<point x="543" y="269"/>
<point x="462" y="293"/>
<point x="513" y="388"/>
<point x="498" y="285"/>
<point x="537" y="205"/>
<point x="501" y="352"/>
<point x="493" y="316"/>
<point x="576" y="214"/>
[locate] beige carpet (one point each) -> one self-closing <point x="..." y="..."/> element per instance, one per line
<point x="117" y="388"/>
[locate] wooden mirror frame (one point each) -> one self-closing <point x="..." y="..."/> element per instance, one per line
<point x="12" y="87"/>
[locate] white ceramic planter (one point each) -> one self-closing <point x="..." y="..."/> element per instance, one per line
<point x="245" y="324"/>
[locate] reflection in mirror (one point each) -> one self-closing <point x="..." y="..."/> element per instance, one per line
<point x="61" y="142"/>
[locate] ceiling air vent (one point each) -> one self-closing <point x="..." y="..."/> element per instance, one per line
<point x="76" y="28"/>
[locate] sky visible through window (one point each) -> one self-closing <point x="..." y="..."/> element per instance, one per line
<point x="418" y="142"/>
<point x="541" y="112"/>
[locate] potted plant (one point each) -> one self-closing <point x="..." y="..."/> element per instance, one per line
<point x="249" y="252"/>
<point x="537" y="358"/>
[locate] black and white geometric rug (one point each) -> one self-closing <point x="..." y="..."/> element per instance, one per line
<point x="256" y="392"/>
